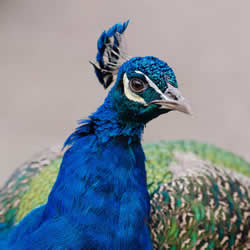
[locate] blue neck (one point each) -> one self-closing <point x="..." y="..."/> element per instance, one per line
<point x="101" y="185"/>
<point x="108" y="123"/>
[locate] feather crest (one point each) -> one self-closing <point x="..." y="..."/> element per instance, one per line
<point x="111" y="54"/>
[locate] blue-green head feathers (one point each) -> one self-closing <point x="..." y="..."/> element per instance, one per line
<point x="141" y="81"/>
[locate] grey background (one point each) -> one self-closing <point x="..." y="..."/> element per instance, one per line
<point x="47" y="83"/>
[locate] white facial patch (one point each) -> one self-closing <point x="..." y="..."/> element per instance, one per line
<point x="129" y="94"/>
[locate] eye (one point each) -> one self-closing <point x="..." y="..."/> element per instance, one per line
<point x="137" y="85"/>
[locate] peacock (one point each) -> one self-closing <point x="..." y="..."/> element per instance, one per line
<point x="105" y="190"/>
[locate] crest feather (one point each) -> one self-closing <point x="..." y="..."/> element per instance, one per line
<point x="111" y="54"/>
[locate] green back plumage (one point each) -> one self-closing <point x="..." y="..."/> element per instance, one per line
<point x="204" y="206"/>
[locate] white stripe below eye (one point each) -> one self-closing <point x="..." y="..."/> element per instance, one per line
<point x="129" y="94"/>
<point x="153" y="85"/>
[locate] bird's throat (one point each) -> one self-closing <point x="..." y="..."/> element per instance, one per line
<point x="108" y="123"/>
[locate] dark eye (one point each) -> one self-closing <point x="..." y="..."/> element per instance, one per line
<point x="137" y="85"/>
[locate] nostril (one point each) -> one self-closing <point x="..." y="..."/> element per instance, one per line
<point x="172" y="96"/>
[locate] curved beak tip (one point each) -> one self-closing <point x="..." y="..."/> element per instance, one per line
<point x="186" y="108"/>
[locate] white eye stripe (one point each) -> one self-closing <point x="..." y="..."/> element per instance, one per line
<point x="152" y="85"/>
<point x="129" y="94"/>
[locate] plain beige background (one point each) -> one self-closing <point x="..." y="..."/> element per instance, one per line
<point x="47" y="83"/>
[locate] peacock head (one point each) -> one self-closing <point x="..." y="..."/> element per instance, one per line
<point x="145" y="87"/>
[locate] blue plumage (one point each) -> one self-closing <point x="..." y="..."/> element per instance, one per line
<point x="100" y="182"/>
<point x="100" y="198"/>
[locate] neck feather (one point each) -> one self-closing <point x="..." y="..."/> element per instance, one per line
<point x="102" y="181"/>
<point x="107" y="123"/>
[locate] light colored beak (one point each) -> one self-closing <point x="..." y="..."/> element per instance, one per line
<point x="172" y="99"/>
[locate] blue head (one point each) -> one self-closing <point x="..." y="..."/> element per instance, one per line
<point x="145" y="87"/>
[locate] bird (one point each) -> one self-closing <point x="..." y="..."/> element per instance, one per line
<point x="107" y="191"/>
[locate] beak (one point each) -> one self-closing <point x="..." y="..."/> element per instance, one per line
<point x="172" y="99"/>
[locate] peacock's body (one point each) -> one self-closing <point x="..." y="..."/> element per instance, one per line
<point x="97" y="196"/>
<point x="168" y="164"/>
